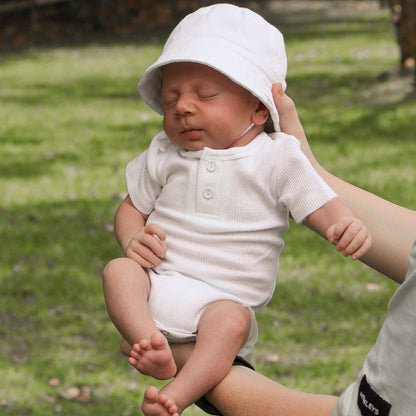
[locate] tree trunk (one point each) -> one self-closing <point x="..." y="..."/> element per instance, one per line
<point x="404" y="20"/>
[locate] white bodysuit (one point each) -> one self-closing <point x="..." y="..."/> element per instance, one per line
<point x="224" y="213"/>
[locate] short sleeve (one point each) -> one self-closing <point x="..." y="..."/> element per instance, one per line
<point x="302" y="191"/>
<point x="143" y="174"/>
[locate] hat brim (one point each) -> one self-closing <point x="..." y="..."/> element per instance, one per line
<point x="234" y="62"/>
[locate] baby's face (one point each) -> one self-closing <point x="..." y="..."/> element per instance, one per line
<point x="204" y="108"/>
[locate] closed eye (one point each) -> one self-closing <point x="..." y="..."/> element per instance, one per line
<point x="207" y="94"/>
<point x="169" y="100"/>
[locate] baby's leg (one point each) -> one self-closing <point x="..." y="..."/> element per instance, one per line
<point x="222" y="330"/>
<point x="126" y="290"/>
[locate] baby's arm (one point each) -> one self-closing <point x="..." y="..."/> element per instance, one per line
<point x="143" y="243"/>
<point x="337" y="223"/>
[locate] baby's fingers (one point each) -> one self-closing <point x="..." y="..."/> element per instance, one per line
<point x="158" y="240"/>
<point x="156" y="230"/>
<point x="365" y="246"/>
<point x="148" y="246"/>
<point x="358" y="246"/>
<point x="350" y="236"/>
<point x="143" y="255"/>
<point x="345" y="229"/>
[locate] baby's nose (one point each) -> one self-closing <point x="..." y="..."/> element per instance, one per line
<point x="185" y="104"/>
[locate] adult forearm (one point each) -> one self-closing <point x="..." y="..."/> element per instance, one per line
<point x="244" y="392"/>
<point x="393" y="227"/>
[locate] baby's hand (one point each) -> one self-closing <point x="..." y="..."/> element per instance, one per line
<point x="350" y="236"/>
<point x="147" y="247"/>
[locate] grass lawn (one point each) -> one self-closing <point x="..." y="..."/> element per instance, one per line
<point x="70" y="119"/>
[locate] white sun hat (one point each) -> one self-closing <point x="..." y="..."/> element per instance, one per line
<point x="233" y="40"/>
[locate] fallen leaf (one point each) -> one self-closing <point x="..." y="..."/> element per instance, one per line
<point x="20" y="359"/>
<point x="275" y="358"/>
<point x="80" y="394"/>
<point x="372" y="287"/>
<point x="54" y="382"/>
<point x="83" y="398"/>
<point x="85" y="395"/>
<point x="90" y="367"/>
<point x="71" y="393"/>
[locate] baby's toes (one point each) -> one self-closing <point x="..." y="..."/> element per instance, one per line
<point x="168" y="404"/>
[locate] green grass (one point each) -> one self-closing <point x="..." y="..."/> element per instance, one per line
<point x="70" y="119"/>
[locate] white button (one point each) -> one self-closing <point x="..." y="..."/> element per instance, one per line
<point x="208" y="193"/>
<point x="211" y="166"/>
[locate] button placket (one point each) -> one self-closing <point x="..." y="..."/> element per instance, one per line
<point x="211" y="166"/>
<point x="209" y="187"/>
<point x="208" y="193"/>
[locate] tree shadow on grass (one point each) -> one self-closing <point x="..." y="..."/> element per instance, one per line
<point x="81" y="149"/>
<point x="51" y="271"/>
<point x="300" y="21"/>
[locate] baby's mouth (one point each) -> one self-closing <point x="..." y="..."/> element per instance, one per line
<point x="191" y="133"/>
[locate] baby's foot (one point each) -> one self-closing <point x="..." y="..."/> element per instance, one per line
<point x="153" y="358"/>
<point x="155" y="404"/>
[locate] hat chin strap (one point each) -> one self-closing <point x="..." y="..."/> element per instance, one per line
<point x="246" y="130"/>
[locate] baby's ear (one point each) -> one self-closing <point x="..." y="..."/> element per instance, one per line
<point x="260" y="115"/>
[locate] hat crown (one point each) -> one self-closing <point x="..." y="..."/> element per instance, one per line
<point x="233" y="40"/>
<point x="245" y="31"/>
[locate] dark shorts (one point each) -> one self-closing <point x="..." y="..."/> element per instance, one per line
<point x="205" y="405"/>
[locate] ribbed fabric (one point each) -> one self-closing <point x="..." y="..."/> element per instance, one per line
<point x="225" y="211"/>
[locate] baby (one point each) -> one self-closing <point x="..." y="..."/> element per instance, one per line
<point x="208" y="203"/>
